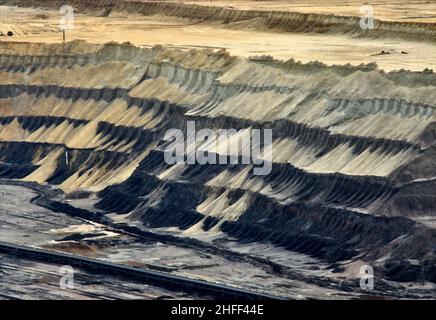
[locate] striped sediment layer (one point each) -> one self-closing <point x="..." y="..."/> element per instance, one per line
<point x="242" y="19"/>
<point x="352" y="147"/>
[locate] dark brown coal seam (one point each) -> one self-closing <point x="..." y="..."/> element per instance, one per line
<point x="285" y="167"/>
<point x="280" y="127"/>
<point x="200" y="185"/>
<point x="303" y="134"/>
<point x="51" y="146"/>
<point x="46" y="195"/>
<point x="115" y="132"/>
<point x="298" y="204"/>
<point x="363" y="179"/>
<point x="38" y="121"/>
<point x="190" y="178"/>
<point x="326" y="211"/>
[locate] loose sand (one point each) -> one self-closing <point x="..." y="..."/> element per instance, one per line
<point x="36" y="25"/>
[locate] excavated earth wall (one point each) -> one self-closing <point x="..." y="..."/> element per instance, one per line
<point x="352" y="171"/>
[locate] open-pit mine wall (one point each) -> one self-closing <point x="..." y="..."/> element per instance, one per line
<point x="352" y="147"/>
<point x="242" y="19"/>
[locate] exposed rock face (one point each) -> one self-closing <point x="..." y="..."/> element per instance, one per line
<point x="352" y="174"/>
<point x="249" y="19"/>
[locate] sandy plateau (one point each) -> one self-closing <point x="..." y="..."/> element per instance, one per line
<point x="243" y="39"/>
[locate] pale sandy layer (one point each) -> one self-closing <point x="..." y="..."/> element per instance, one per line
<point x="399" y="10"/>
<point x="34" y="25"/>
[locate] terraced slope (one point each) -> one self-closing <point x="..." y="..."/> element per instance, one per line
<point x="352" y="173"/>
<point x="247" y="19"/>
